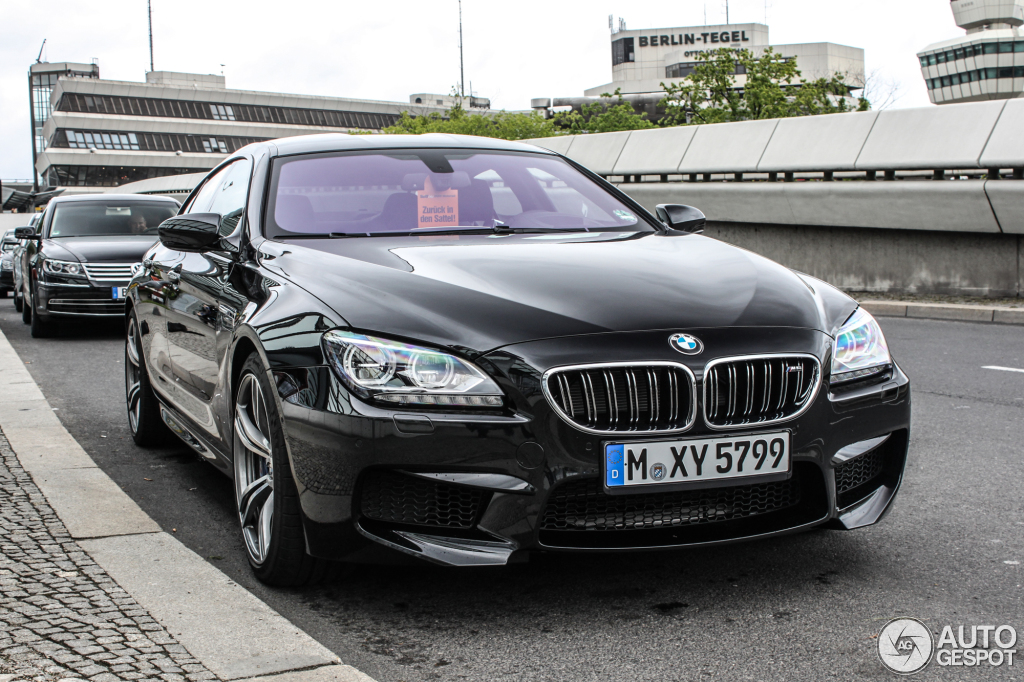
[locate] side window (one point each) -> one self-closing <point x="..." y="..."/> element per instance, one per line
<point x="225" y="193"/>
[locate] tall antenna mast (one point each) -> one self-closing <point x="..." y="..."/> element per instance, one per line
<point x="39" y="57"/>
<point x="726" y="12"/>
<point x="462" y="71"/>
<point x="149" y="11"/>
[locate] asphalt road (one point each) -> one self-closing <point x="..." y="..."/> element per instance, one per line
<point x="804" y="607"/>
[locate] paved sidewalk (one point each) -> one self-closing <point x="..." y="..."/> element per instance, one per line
<point x="91" y="588"/>
<point x="61" y="615"/>
<point x="945" y="311"/>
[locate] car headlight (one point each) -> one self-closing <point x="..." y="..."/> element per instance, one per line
<point x="402" y="374"/>
<point x="860" y="349"/>
<point x="63" y="267"/>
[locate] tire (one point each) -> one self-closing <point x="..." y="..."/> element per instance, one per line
<point x="265" y="493"/>
<point x="41" y="329"/>
<point x="144" y="422"/>
<point x="26" y="307"/>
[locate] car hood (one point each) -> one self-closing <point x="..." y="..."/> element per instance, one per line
<point x="479" y="293"/>
<point x="111" y="249"/>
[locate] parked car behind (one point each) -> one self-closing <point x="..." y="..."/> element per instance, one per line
<point x="33" y="223"/>
<point x="8" y="243"/>
<point x="79" y="262"/>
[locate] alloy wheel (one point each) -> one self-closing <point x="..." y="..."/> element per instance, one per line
<point x="254" y="468"/>
<point x="133" y="375"/>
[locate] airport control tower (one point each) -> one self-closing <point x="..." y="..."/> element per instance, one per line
<point x="987" y="63"/>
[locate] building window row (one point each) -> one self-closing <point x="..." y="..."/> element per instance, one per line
<point x="107" y="176"/>
<point x="990" y="73"/>
<point x="77" y="139"/>
<point x="167" y="108"/>
<point x="976" y="50"/>
<point x="150" y="142"/>
<point x="684" y="69"/>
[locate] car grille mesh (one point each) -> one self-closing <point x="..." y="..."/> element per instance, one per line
<point x="108" y="272"/>
<point x="634" y="398"/>
<point x="856" y="472"/>
<point x="758" y="390"/>
<point x="398" y="498"/>
<point x="583" y="506"/>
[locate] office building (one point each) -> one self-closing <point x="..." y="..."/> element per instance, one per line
<point x="644" y="59"/>
<point x="102" y="133"/>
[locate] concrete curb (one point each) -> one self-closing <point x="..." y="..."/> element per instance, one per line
<point x="222" y="625"/>
<point x="945" y="311"/>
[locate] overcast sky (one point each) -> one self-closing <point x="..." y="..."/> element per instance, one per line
<point x="514" y="50"/>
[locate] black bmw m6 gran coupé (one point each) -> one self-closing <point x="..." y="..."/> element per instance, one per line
<point x="467" y="350"/>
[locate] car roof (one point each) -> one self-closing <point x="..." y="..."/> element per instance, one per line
<point x="330" y="142"/>
<point x="110" y="197"/>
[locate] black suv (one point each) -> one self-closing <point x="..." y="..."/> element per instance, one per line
<point x="80" y="261"/>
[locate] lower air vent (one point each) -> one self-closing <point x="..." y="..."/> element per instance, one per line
<point x="853" y="476"/>
<point x="398" y="498"/>
<point x="584" y="506"/>
<point x="74" y="306"/>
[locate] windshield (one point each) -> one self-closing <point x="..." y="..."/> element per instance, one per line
<point x="430" y="189"/>
<point x="98" y="218"/>
<point x="8" y="246"/>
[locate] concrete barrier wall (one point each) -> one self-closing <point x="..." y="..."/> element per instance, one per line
<point x="960" y="238"/>
<point x="889" y="261"/>
<point x="956" y="136"/>
<point x="910" y="235"/>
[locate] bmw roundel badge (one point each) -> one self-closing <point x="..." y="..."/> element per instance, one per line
<point x="686" y="344"/>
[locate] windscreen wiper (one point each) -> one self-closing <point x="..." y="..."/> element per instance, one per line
<point x="319" y="235"/>
<point x="503" y="228"/>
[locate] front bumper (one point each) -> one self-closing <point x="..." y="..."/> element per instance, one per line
<point x="58" y="300"/>
<point x="7" y="278"/>
<point x="484" y="489"/>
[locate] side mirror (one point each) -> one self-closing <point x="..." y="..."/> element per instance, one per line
<point x="682" y="218"/>
<point x="193" y="232"/>
<point x="26" y="233"/>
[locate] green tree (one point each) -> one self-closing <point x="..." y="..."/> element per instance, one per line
<point x="457" y="121"/>
<point x="602" y="117"/>
<point x="773" y="89"/>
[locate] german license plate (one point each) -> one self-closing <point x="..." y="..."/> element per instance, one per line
<point x="120" y="293"/>
<point x="696" y="460"/>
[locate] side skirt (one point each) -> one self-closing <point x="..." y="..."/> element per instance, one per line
<point x="183" y="429"/>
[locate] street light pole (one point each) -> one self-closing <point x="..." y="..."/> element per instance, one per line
<point x="149" y="11"/>
<point x="462" y="71"/>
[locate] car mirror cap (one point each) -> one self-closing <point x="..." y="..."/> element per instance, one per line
<point x="194" y="232"/>
<point x="682" y="218"/>
<point x="25" y="233"/>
